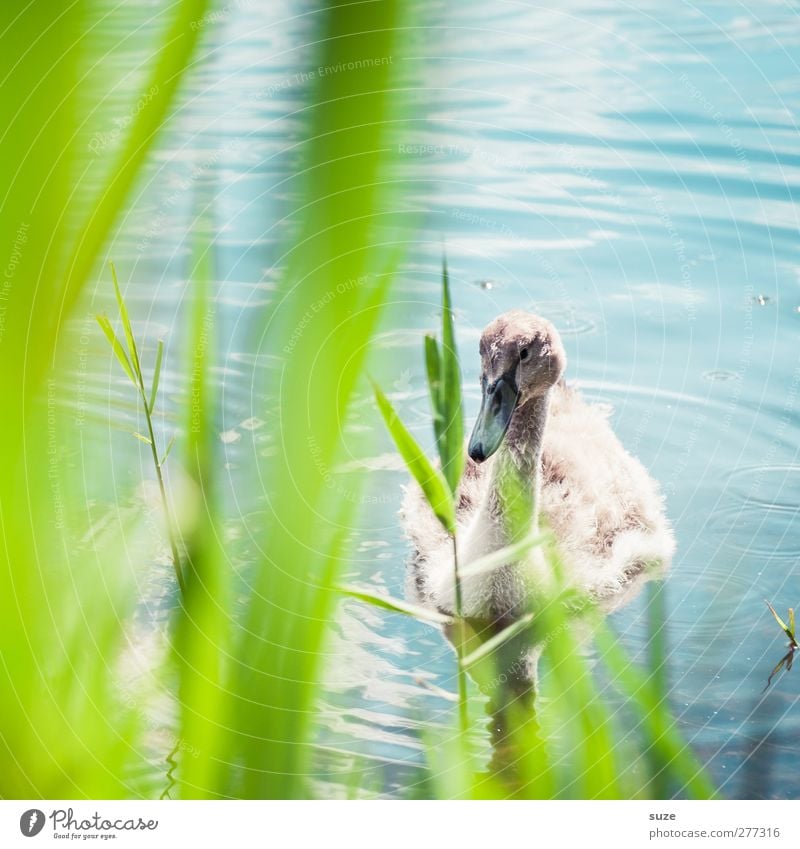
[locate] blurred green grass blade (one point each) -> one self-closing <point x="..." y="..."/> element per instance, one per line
<point x="597" y="771"/>
<point x="452" y="444"/>
<point x="662" y="735"/>
<point x="203" y="629"/>
<point x="453" y="768"/>
<point x="494" y="642"/>
<point x="518" y="512"/>
<point x="39" y="66"/>
<point x="433" y="368"/>
<point x="142" y="438"/>
<point x="503" y="556"/>
<point x="595" y="768"/>
<point x="156" y="376"/>
<point x="201" y="411"/>
<point x="171" y="63"/>
<point x="348" y="226"/>
<point x="656" y="644"/>
<point x="431" y="481"/>
<point x="66" y="732"/>
<point x="395" y="605"/>
<point x="116" y="346"/>
<point x="657" y="669"/>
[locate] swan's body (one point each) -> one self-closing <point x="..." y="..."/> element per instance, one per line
<point x="603" y="508"/>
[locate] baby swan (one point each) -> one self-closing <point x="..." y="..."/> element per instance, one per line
<point x="537" y="437"/>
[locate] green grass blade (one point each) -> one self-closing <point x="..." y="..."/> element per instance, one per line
<point x="503" y="556"/>
<point x="493" y="643"/>
<point x="156" y="376"/>
<point x="116" y="346"/>
<point x="169" y="66"/>
<point x="662" y="736"/>
<point x="778" y="619"/>
<point x="204" y="622"/>
<point x="395" y="605"/>
<point x="133" y="351"/>
<point x="658" y="675"/>
<point x="346" y="201"/>
<point x="68" y="729"/>
<point x="433" y="368"/>
<point x="142" y="438"/>
<point x="452" y="445"/>
<point x="791" y="623"/>
<point x="167" y="450"/>
<point x="430" y="479"/>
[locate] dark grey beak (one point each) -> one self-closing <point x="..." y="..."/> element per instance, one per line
<point x="497" y="407"/>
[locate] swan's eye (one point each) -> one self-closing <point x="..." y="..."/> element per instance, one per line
<point x="523" y="354"/>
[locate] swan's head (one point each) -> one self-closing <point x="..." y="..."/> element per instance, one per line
<point x="521" y="358"/>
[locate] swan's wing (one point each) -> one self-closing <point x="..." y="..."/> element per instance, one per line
<point x="604" y="507"/>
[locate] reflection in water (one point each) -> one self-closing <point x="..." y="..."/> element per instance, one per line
<point x="172" y="765"/>
<point x="789" y="630"/>
<point x="508" y="678"/>
<point x="784" y="663"/>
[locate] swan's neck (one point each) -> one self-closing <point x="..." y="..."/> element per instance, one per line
<point x="514" y="491"/>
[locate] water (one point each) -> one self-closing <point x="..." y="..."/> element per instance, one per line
<point x="630" y="172"/>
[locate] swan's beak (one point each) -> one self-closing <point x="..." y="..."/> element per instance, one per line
<point x="497" y="406"/>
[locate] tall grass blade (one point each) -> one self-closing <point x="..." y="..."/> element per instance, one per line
<point x="452" y="439"/>
<point x="203" y="627"/>
<point x="127" y="328"/>
<point x="504" y="556"/>
<point x="493" y="643"/>
<point x="429" y="478"/>
<point x="395" y="605"/>
<point x="433" y="368"/>
<point x="787" y="629"/>
<point x="341" y="259"/>
<point x="662" y="736"/>
<point x="151" y="403"/>
<point x="150" y="439"/>
<point x="67" y="731"/>
<point x="171" y="63"/>
<point x="167" y="450"/>
<point x="657" y="667"/>
<point x="595" y="771"/>
<point x="116" y="347"/>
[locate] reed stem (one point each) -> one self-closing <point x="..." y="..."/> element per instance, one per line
<point x="173" y="543"/>
<point x="462" y="675"/>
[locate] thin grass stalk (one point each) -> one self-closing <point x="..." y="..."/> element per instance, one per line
<point x="136" y="366"/>
<point x="463" y="706"/>
<point x="173" y="542"/>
